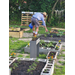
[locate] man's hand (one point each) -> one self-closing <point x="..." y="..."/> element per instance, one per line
<point x="46" y="29"/>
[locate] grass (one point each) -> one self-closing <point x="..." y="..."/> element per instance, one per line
<point x="59" y="69"/>
<point x="41" y="29"/>
<point x="20" y="55"/>
<point x="17" y="45"/>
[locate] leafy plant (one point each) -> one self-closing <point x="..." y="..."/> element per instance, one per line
<point x="46" y="70"/>
<point x="50" y="59"/>
<point x="15" y="65"/>
<point x="50" y="44"/>
<point x="33" y="66"/>
<point x="13" y="54"/>
<point x="60" y="33"/>
<point x="45" y="35"/>
<point x="59" y="41"/>
<point x="51" y="35"/>
<point x="57" y="47"/>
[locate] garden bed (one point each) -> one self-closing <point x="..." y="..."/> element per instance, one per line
<point x="17" y="32"/>
<point x="22" y="66"/>
<point x="45" y="47"/>
<point x="52" y="37"/>
<point x="52" y="55"/>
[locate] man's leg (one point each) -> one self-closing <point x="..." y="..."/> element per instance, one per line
<point x="33" y="30"/>
<point x="37" y="28"/>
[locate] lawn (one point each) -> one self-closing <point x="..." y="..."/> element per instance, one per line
<point x="41" y="29"/>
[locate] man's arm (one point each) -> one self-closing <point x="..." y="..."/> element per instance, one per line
<point x="44" y="24"/>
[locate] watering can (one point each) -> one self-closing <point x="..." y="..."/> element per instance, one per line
<point x="30" y="25"/>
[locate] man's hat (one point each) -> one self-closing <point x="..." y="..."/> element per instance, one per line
<point x="44" y="13"/>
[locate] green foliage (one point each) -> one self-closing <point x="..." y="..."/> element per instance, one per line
<point x="20" y="55"/>
<point x="42" y="6"/>
<point x="33" y="66"/>
<point x="15" y="44"/>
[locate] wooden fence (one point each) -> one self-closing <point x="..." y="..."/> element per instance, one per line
<point x="26" y="18"/>
<point x="59" y="13"/>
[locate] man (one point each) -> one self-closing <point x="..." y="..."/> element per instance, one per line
<point x="35" y="22"/>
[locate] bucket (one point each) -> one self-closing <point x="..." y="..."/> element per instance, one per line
<point x="30" y="25"/>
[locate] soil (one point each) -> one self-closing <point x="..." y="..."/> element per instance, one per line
<point x="50" y="54"/>
<point x="54" y="38"/>
<point x="24" y="65"/>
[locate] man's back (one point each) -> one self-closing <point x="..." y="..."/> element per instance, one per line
<point x="39" y="16"/>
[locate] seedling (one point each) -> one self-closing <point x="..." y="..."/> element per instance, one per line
<point x="51" y="35"/>
<point x="46" y="70"/>
<point x="13" y="54"/>
<point x="33" y="66"/>
<point x="45" y="35"/>
<point x="57" y="47"/>
<point x="60" y="33"/>
<point x="15" y="65"/>
<point x="50" y="59"/>
<point x="59" y="41"/>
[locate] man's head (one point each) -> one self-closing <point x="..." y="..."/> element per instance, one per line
<point x="44" y="13"/>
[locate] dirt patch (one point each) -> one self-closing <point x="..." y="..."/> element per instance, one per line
<point x="22" y="67"/>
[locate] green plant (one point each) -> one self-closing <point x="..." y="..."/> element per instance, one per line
<point x="51" y="35"/>
<point x="57" y="47"/>
<point x="52" y="53"/>
<point x="15" y="65"/>
<point x="13" y="54"/>
<point x="19" y="60"/>
<point x="46" y="70"/>
<point x="50" y="44"/>
<point x="59" y="41"/>
<point x="50" y="59"/>
<point x="60" y="33"/>
<point x="45" y="35"/>
<point x="20" y="55"/>
<point x="41" y="42"/>
<point x="33" y="66"/>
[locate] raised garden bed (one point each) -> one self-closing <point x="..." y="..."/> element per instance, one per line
<point x="52" y="37"/>
<point x="45" y="47"/>
<point x="52" y="55"/>
<point x="25" y="66"/>
<point x="17" y="32"/>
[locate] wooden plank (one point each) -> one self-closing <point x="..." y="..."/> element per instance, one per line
<point x="57" y="29"/>
<point x="24" y="20"/>
<point x="26" y="29"/>
<point x="21" y="34"/>
<point x="16" y="34"/>
<point x="24" y="16"/>
<point x="14" y="29"/>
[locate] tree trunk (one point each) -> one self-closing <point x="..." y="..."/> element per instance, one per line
<point x="54" y="7"/>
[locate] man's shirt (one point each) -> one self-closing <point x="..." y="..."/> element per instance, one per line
<point x="39" y="16"/>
